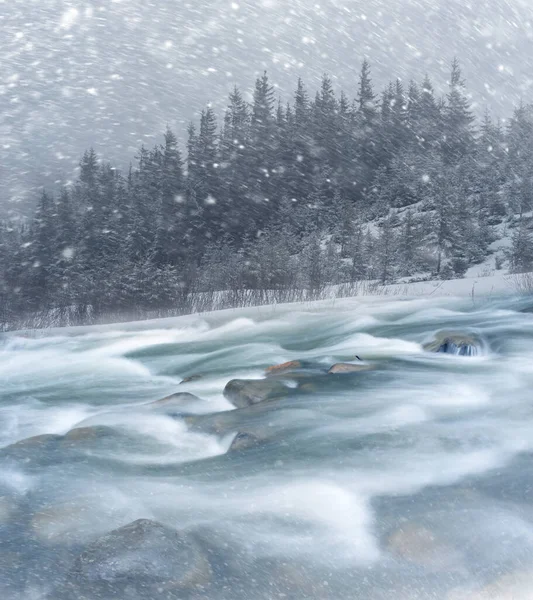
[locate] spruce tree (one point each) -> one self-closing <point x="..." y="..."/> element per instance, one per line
<point x="458" y="134"/>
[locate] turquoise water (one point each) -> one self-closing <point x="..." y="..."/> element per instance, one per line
<point x="412" y="480"/>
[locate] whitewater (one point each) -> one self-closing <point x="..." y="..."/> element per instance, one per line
<point x="412" y="480"/>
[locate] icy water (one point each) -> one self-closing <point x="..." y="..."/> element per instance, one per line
<point x="410" y="481"/>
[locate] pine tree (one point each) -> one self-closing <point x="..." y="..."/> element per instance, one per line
<point x="521" y="255"/>
<point x="458" y="134"/>
<point x="387" y="249"/>
<point x="366" y="99"/>
<point x="262" y="152"/>
<point x="171" y="217"/>
<point x="428" y="128"/>
<point x="366" y="130"/>
<point x="41" y="256"/>
<point x="299" y="162"/>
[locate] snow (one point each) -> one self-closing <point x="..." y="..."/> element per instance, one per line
<point x="494" y="286"/>
<point x="499" y="284"/>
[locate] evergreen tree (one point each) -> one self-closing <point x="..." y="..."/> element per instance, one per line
<point x="171" y="217"/>
<point x="521" y="255"/>
<point x="458" y="134"/>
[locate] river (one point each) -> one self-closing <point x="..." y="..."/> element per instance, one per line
<point x="411" y="480"/>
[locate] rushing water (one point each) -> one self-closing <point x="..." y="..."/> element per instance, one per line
<point x="410" y="481"/>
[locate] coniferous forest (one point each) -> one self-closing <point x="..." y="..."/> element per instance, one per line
<point x="277" y="202"/>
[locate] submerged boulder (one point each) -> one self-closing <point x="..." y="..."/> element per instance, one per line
<point x="343" y="368"/>
<point x="36" y="450"/>
<point x="191" y="378"/>
<point x="175" y="400"/>
<point x="245" y="392"/>
<point x="141" y="561"/>
<point x="417" y="544"/>
<point x="458" y="344"/>
<point x="244" y="440"/>
<point x="87" y="434"/>
<point x="283" y="368"/>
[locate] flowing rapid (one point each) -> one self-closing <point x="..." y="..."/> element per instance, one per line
<point x="410" y="480"/>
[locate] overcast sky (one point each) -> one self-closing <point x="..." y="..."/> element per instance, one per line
<point x="111" y="74"/>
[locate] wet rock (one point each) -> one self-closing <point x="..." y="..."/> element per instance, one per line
<point x="250" y="421"/>
<point x="308" y="387"/>
<point x="244" y="392"/>
<point x="176" y="400"/>
<point x="244" y="440"/>
<point x="37" y="441"/>
<point x="417" y="544"/>
<point x="37" y="450"/>
<point x="191" y="379"/>
<point x="53" y="524"/>
<point x="79" y="518"/>
<point x="283" y="368"/>
<point x="458" y="344"/>
<point x="141" y="561"/>
<point x="344" y="368"/>
<point x="87" y="434"/>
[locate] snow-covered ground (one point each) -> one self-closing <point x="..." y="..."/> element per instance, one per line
<point x="498" y="284"/>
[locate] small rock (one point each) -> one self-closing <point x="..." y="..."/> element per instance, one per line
<point x="243" y="441"/>
<point x="191" y="378"/>
<point x="342" y="368"/>
<point x="283" y="368"/>
<point x="419" y="545"/>
<point x="250" y="420"/>
<point x="307" y="387"/>
<point x="176" y="400"/>
<point x="87" y="434"/>
<point x="245" y="392"/>
<point x="454" y="343"/>
<point x="37" y="450"/>
<point x="35" y="442"/>
<point x="144" y="560"/>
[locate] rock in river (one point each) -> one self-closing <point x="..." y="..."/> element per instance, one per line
<point x="447" y="342"/>
<point x="191" y="379"/>
<point x="141" y="561"/>
<point x="343" y="368"/>
<point x="245" y="392"/>
<point x="419" y="545"/>
<point x="244" y="440"/>
<point x="176" y="401"/>
<point x="284" y="368"/>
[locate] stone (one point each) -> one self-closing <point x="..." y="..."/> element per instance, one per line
<point x="37" y="450"/>
<point x="142" y="561"/>
<point x="244" y="440"/>
<point x="457" y="344"/>
<point x="283" y="368"/>
<point x="344" y="368"/>
<point x="87" y="434"/>
<point x="55" y="523"/>
<point x="246" y="392"/>
<point x="176" y="400"/>
<point x="419" y="545"/>
<point x="37" y="441"/>
<point x="308" y="387"/>
<point x="191" y="379"/>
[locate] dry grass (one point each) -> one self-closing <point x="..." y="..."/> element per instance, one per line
<point x="522" y="283"/>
